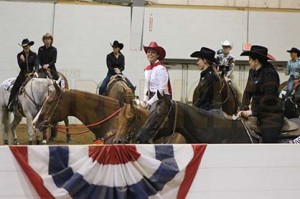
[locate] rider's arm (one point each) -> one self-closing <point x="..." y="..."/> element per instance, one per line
<point x="247" y="94"/>
<point x="162" y="78"/>
<point x="122" y="66"/>
<point x="53" y="57"/>
<point x="109" y="64"/>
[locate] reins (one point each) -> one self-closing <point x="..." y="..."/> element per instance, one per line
<point x="167" y="118"/>
<point x="89" y="125"/>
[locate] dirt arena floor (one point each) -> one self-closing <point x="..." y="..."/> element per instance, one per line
<point x="86" y="138"/>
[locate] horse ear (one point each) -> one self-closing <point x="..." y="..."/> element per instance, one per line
<point x="159" y="96"/>
<point x="57" y="88"/>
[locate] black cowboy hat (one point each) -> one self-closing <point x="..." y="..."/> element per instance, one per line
<point x="26" y="42"/>
<point x="116" y="44"/>
<point x="294" y="50"/>
<point x="206" y="53"/>
<point x="260" y="52"/>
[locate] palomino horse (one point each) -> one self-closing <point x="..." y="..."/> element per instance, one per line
<point x="291" y="106"/>
<point x="30" y="100"/>
<point x="196" y="125"/>
<point x="129" y="121"/>
<point x="229" y="101"/>
<point x="95" y="111"/>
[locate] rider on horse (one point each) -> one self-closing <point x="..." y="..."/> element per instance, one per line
<point x="28" y="63"/>
<point x="261" y="94"/>
<point x="207" y="94"/>
<point x="293" y="70"/>
<point x="226" y="67"/>
<point x="156" y="75"/>
<point x="115" y="62"/>
<point x="47" y="56"/>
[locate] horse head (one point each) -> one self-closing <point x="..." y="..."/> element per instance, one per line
<point x="130" y="119"/>
<point x="48" y="114"/>
<point x="158" y="121"/>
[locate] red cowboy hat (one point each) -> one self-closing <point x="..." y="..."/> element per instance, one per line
<point x="160" y="50"/>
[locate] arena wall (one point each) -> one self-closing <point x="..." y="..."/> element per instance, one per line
<point x="83" y="33"/>
<point x="225" y="172"/>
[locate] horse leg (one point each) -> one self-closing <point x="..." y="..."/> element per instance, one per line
<point x="68" y="135"/>
<point x="44" y="137"/>
<point x="52" y="133"/>
<point x="30" y="131"/>
<point x="13" y="127"/>
<point x="4" y="118"/>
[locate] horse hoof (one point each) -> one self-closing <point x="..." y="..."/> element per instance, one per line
<point x="30" y="142"/>
<point x="44" y="142"/>
<point x="16" y="142"/>
<point x="37" y="142"/>
<point x="6" y="142"/>
<point x="69" y="141"/>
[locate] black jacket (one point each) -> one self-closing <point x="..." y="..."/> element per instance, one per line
<point x="47" y="56"/>
<point x="262" y="91"/>
<point x="112" y="62"/>
<point x="207" y="94"/>
<point x="30" y="64"/>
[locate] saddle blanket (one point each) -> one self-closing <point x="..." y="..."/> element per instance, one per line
<point x="7" y="84"/>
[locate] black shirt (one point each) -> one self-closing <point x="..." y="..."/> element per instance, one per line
<point x="47" y="56"/>
<point x="31" y="62"/>
<point x="113" y="62"/>
<point x="207" y="93"/>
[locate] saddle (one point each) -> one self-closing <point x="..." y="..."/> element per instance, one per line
<point x="289" y="129"/>
<point x="113" y="80"/>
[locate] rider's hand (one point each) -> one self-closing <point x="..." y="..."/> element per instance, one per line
<point x="46" y="66"/>
<point x="244" y="113"/>
<point x="22" y="58"/>
<point x="117" y="70"/>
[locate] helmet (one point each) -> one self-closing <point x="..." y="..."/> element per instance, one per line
<point x="226" y="43"/>
<point x="220" y="51"/>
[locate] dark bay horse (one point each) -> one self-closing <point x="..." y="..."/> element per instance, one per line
<point x="229" y="100"/>
<point x="196" y="125"/>
<point x="130" y="119"/>
<point x="200" y="126"/>
<point x="89" y="108"/>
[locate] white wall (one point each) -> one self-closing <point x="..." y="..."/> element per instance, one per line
<point x="83" y="33"/>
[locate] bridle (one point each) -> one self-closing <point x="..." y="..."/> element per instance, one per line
<point x="161" y="126"/>
<point x="46" y="121"/>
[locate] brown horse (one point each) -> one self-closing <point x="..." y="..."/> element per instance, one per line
<point x="118" y="89"/>
<point x="197" y="125"/>
<point x="130" y="119"/>
<point x="229" y="101"/>
<point x="95" y="111"/>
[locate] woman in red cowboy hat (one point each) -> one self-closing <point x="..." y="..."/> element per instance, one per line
<point x="47" y="56"/>
<point x="28" y="62"/>
<point x="156" y="74"/>
<point x="207" y="94"/>
<point x="261" y="94"/>
<point x="293" y="70"/>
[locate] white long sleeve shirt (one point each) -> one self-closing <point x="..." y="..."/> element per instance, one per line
<point x="156" y="79"/>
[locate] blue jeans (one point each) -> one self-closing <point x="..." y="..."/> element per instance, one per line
<point x="103" y="86"/>
<point x="290" y="86"/>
